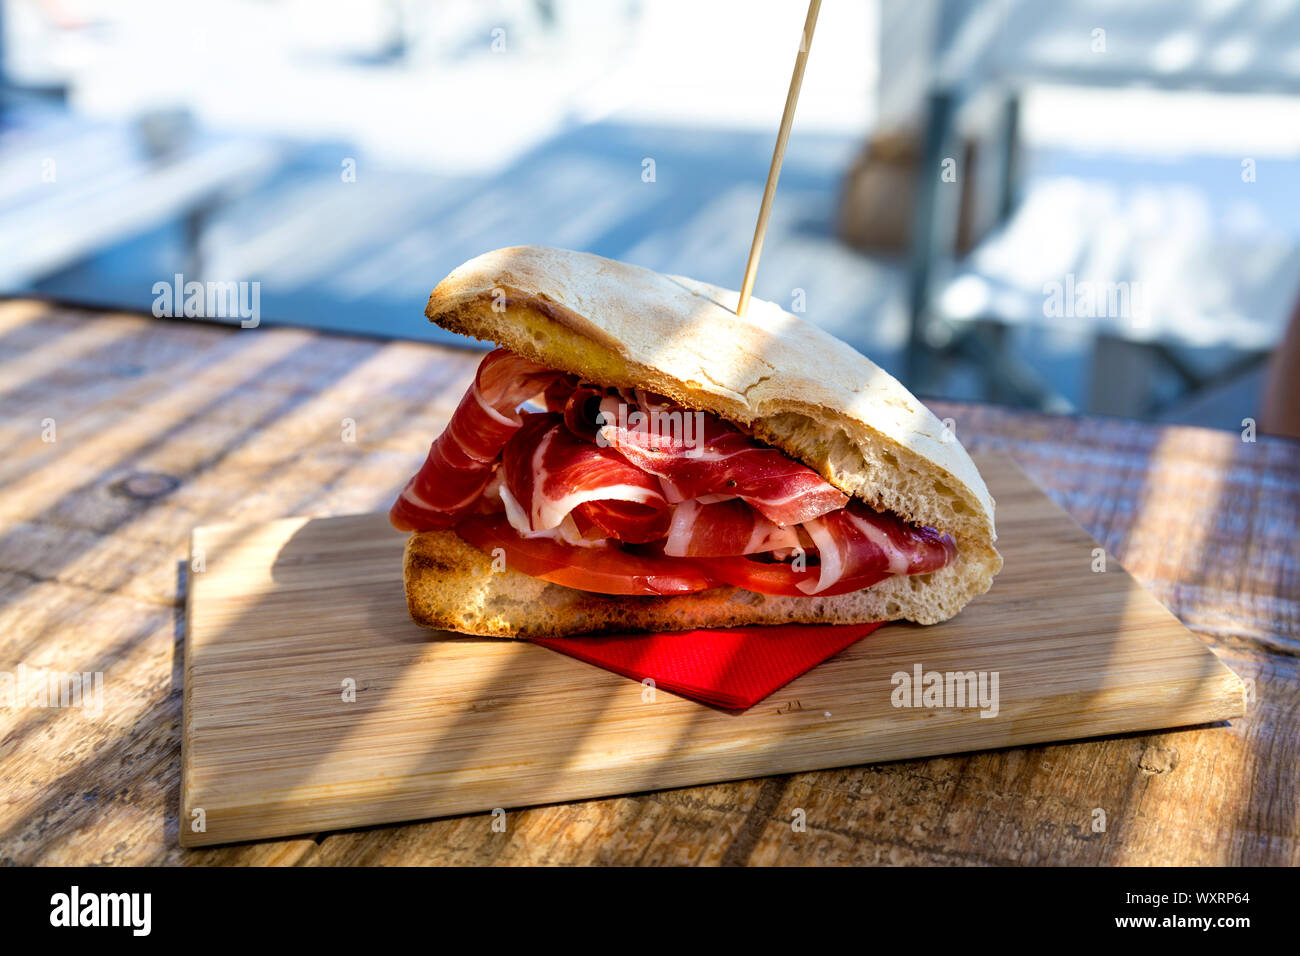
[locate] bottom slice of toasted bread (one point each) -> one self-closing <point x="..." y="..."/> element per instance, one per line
<point x="451" y="585"/>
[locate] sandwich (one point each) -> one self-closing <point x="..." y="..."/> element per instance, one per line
<point x="635" y="456"/>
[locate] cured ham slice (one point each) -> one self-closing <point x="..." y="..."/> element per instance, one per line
<point x="857" y="542"/>
<point x="556" y="395"/>
<point x="581" y="409"/>
<point x="700" y="454"/>
<point x="724" y="528"/>
<point x="550" y="473"/>
<point x="844" y="551"/>
<point x="461" y="460"/>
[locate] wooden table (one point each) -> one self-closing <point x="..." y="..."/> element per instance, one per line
<point x="160" y="426"/>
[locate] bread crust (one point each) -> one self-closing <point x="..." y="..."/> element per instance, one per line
<point x="793" y="384"/>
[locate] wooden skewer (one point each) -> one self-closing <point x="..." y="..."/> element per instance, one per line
<point x="778" y="154"/>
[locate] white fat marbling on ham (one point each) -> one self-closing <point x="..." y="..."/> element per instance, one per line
<point x="552" y="473"/>
<point x="829" y="554"/>
<point x="566" y="531"/>
<point x="724" y="528"/>
<point x="857" y="541"/>
<point x="694" y="454"/>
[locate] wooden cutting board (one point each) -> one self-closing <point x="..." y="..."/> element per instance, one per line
<point x="284" y="617"/>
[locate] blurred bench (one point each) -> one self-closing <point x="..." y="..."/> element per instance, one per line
<point x="1202" y="288"/>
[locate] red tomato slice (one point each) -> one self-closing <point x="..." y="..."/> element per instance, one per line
<point x="781" y="579"/>
<point x="603" y="569"/>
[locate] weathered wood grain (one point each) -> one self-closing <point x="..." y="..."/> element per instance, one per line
<point x="208" y="425"/>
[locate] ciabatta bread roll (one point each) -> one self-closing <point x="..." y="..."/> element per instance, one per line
<point x="782" y="379"/>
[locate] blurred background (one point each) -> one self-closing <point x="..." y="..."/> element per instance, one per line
<point x="1085" y="205"/>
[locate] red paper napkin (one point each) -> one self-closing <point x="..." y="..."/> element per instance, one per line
<point x="731" y="667"/>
